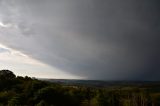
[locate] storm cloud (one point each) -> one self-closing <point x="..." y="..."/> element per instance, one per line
<point x="96" y="39"/>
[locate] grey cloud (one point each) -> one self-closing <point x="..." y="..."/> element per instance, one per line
<point x="104" y="39"/>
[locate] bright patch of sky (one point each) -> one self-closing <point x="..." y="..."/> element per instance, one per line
<point x="24" y="65"/>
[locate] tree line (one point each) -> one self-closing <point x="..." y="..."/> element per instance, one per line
<point x="26" y="91"/>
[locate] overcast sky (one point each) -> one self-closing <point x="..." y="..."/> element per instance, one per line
<point x="87" y="39"/>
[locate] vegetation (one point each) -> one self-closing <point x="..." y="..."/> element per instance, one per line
<point x="26" y="91"/>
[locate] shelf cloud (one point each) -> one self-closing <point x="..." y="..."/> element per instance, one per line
<point x="106" y="39"/>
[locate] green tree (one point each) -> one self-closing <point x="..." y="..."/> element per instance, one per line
<point x="6" y="79"/>
<point x="7" y="75"/>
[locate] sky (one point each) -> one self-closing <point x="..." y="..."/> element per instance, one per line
<point x="81" y="39"/>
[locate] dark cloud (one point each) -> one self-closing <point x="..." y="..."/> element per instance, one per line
<point x="105" y="39"/>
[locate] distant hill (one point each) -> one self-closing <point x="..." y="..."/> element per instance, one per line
<point x="101" y="83"/>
